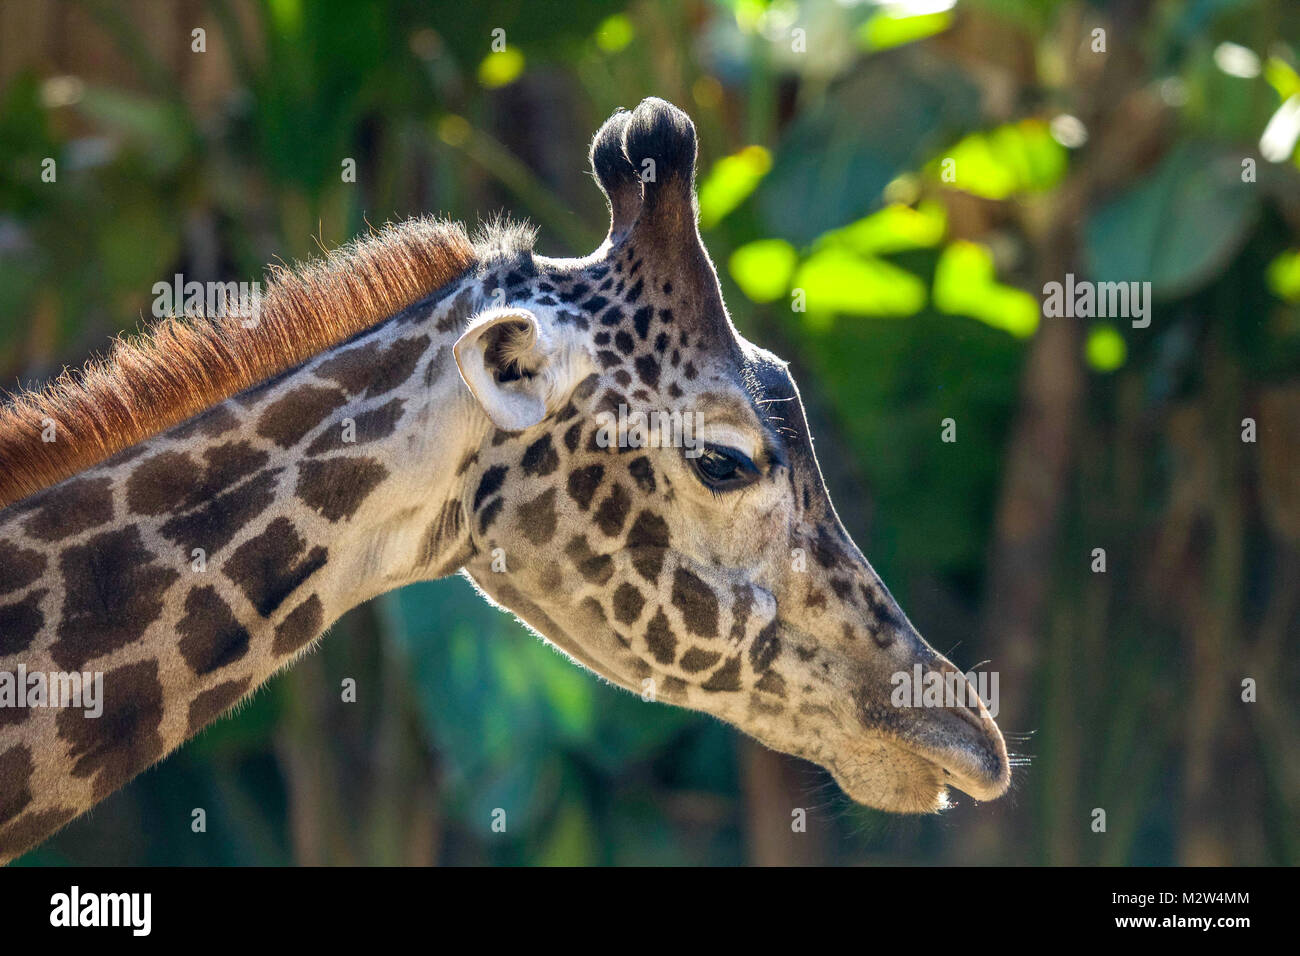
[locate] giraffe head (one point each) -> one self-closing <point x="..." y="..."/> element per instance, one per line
<point x="648" y="499"/>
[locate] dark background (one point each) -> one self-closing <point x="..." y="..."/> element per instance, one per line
<point x="822" y="169"/>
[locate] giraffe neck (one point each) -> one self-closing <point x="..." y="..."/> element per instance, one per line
<point x="189" y="568"/>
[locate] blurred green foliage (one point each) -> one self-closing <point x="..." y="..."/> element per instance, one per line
<point x="885" y="188"/>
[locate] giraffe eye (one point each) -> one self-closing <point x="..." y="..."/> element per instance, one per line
<point x="723" y="469"/>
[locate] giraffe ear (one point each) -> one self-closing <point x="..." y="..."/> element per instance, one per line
<point x="501" y="358"/>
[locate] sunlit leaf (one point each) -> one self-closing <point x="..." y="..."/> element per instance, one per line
<point x="964" y="284"/>
<point x="1281" y="77"/>
<point x="1105" y="349"/>
<point x="896" y="228"/>
<point x="1284" y="276"/>
<point x="897" y="24"/>
<point x="837" y="281"/>
<point x="286" y="16"/>
<point x="614" y="33"/>
<point x="748" y="13"/>
<point x="731" y="179"/>
<point x="763" y="268"/>
<point x="501" y="68"/>
<point x="1003" y="162"/>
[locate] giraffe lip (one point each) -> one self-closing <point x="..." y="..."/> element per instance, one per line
<point x="976" y="765"/>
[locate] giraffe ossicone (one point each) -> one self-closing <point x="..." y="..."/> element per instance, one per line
<point x="454" y="423"/>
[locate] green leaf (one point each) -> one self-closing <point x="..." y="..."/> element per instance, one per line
<point x="614" y="33"/>
<point x="730" y="181"/>
<point x="894" y="26"/>
<point x="1177" y="228"/>
<point x="1284" y="276"/>
<point x="964" y="284"/>
<point x="1003" y="162"/>
<point x="836" y="280"/>
<point x="1105" y="349"/>
<point x="829" y="170"/>
<point x="896" y="228"/>
<point x="501" y="68"/>
<point x="160" y="131"/>
<point x="763" y="268"/>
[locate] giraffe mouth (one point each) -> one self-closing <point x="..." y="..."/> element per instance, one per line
<point x="966" y="749"/>
<point x="907" y="776"/>
<point x="913" y="768"/>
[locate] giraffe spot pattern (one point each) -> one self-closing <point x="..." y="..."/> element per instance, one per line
<point x="540" y="458"/>
<point x="13" y="716"/>
<point x="725" y="678"/>
<point x="437" y="365"/>
<point x="766" y="647"/>
<point x="20" y="622"/>
<point x="212" y="526"/>
<point x="337" y="487"/>
<point x="489" y="514"/>
<point x="742" y="603"/>
<point x="583" y="483"/>
<point x="488" y="485"/>
<point x="697" y="602"/>
<point x="647" y="542"/>
<point x="212" y="703"/>
<point x="19" y="567"/>
<point x="885" y="613"/>
<point x="112" y="591"/>
<point x="124" y="739"/>
<point x="572" y="436"/>
<point x="371" y="426"/>
<point x="160" y="483"/>
<point x="446" y="527"/>
<point x="628" y="602"/>
<point x="71" y="508"/>
<point x="213" y="423"/>
<point x="298" y="629"/>
<point x="287" y="420"/>
<point x="170" y="480"/>
<point x="271" y="566"/>
<point x="596" y="568"/>
<point x="458" y="312"/>
<point x="211" y="638"/>
<point x="374" y="368"/>
<point x="15" y="781"/>
<point x="660" y="639"/>
<point x="612" y="513"/>
<point x="24" y="832"/>
<point x="696" y="660"/>
<point x="772" y="683"/>
<point x="537" y="518"/>
<point x="643" y="474"/>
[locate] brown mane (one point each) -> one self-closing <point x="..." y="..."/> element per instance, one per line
<point x="180" y="366"/>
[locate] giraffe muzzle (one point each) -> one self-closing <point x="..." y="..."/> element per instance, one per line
<point x="960" y="737"/>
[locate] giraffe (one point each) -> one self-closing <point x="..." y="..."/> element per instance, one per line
<point x="421" y="405"/>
